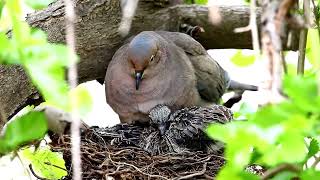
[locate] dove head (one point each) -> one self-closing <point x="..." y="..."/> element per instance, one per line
<point x="143" y="53"/>
<point x="159" y="116"/>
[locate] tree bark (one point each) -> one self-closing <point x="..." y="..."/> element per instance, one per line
<point x="97" y="38"/>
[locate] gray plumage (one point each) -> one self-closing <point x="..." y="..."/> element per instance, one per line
<point x="162" y="68"/>
<point x="184" y="129"/>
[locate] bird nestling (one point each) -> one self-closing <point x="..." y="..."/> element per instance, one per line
<point x="184" y="129"/>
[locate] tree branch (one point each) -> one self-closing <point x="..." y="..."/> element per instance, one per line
<point x="283" y="167"/>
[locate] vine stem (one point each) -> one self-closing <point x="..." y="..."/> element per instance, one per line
<point x="303" y="39"/>
<point x="283" y="167"/>
<point x="73" y="81"/>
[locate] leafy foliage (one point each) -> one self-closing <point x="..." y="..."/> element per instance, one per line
<point x="29" y="127"/>
<point x="46" y="163"/>
<point x="281" y="134"/>
<point x="242" y="60"/>
<point x="313" y="46"/>
<point x="196" y="1"/>
<point x="45" y="64"/>
<point x="276" y="132"/>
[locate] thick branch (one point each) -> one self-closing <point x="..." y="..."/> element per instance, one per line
<point x="97" y="37"/>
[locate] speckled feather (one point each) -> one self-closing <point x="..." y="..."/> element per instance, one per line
<point x="185" y="131"/>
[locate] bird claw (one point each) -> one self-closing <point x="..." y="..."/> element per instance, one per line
<point x="193" y="31"/>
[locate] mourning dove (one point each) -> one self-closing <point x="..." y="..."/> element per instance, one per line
<point x="161" y="67"/>
<point x="183" y="130"/>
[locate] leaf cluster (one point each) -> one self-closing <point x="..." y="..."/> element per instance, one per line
<point x="277" y="135"/>
<point x="45" y="63"/>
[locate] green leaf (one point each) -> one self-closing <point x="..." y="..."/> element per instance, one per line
<point x="239" y="139"/>
<point x="5" y="49"/>
<point x="196" y="1"/>
<point x="247" y="110"/>
<point x="285" y="175"/>
<point x="290" y="149"/>
<point x="269" y="116"/>
<point x="38" y="4"/>
<point x="201" y="1"/>
<point x="23" y="130"/>
<point x="45" y="64"/>
<point x="81" y="101"/>
<point x="1" y="6"/>
<point x="289" y="144"/>
<point x="303" y="91"/>
<point x="310" y="174"/>
<point x="46" y="163"/>
<point x="242" y="60"/>
<point x="313" y="148"/>
<point x="313" y="46"/>
<point x="50" y="80"/>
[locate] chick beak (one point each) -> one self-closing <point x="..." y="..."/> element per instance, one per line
<point x="162" y="129"/>
<point x="138" y="76"/>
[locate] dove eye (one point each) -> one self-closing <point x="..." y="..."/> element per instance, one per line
<point x="152" y="58"/>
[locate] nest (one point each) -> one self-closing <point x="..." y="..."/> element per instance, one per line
<point x="111" y="152"/>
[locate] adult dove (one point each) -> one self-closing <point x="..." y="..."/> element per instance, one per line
<point x="167" y="68"/>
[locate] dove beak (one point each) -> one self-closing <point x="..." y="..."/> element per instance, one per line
<point x="138" y="76"/>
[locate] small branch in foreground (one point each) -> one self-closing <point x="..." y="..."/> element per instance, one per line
<point x="303" y="39"/>
<point x="128" y="8"/>
<point x="253" y="27"/>
<point x="73" y="81"/>
<point x="316" y="162"/>
<point x="195" y="174"/>
<point x="283" y="167"/>
<point x="284" y="63"/>
<point x="34" y="173"/>
<point x="316" y="15"/>
<point x="302" y="51"/>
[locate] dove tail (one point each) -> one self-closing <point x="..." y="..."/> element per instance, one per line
<point x="234" y="85"/>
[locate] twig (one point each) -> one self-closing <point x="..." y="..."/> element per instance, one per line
<point x="73" y="81"/>
<point x="316" y="162"/>
<point x="35" y="175"/>
<point x="316" y="15"/>
<point x="128" y="8"/>
<point x="317" y="18"/>
<point x="284" y="63"/>
<point x="283" y="167"/>
<point x="50" y="164"/>
<point x="253" y="27"/>
<point x="303" y="39"/>
<point x="194" y="174"/>
<point x="137" y="169"/>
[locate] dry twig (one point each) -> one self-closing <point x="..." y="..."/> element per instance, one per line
<point x="303" y="38"/>
<point x="101" y="159"/>
<point x="253" y="27"/>
<point x="73" y="81"/>
<point x="283" y="167"/>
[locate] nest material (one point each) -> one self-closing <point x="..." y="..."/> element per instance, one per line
<point x="143" y="152"/>
<point x="106" y="152"/>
